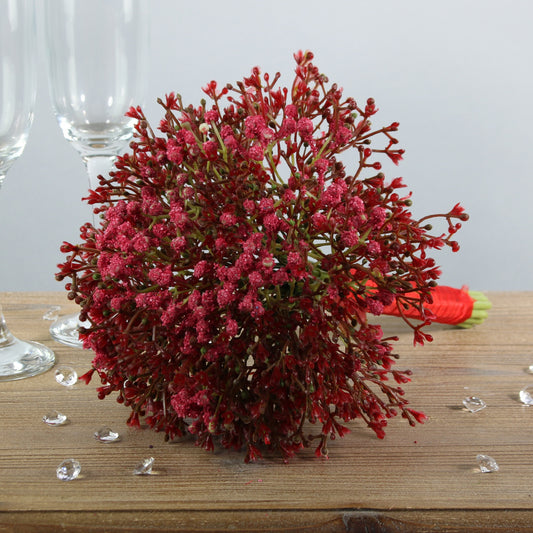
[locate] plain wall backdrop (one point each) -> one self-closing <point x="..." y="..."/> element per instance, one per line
<point x="457" y="75"/>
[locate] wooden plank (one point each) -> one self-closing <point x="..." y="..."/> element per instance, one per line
<point x="336" y="521"/>
<point x="428" y="469"/>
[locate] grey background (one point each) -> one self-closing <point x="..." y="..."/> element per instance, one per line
<point x="457" y="75"/>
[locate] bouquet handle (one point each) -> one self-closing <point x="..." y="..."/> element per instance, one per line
<point x="457" y="307"/>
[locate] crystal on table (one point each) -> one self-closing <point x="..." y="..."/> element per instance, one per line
<point x="54" y="418"/>
<point x="68" y="470"/>
<point x="529" y="369"/>
<point x="144" y="467"/>
<point x="52" y="313"/>
<point x="487" y="463"/>
<point x="525" y="395"/>
<point x="474" y="404"/>
<point x="66" y="376"/>
<point x="106" y="434"/>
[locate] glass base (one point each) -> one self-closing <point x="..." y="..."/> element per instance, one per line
<point x="22" y="359"/>
<point x="65" y="330"/>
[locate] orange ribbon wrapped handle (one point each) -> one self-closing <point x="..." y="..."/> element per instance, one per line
<point x="458" y="307"/>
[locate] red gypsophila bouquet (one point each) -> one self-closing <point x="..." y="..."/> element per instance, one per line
<point x="228" y="285"/>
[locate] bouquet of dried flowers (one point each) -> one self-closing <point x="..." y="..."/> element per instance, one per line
<point x="240" y="251"/>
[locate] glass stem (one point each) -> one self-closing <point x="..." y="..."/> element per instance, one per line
<point x="5" y="335"/>
<point x="98" y="165"/>
<point x="2" y="178"/>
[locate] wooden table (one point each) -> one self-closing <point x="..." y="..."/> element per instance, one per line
<point x="417" y="479"/>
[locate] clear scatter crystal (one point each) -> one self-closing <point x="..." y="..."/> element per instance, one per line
<point x="52" y="313"/>
<point x="66" y="376"/>
<point x="474" y="404"/>
<point x="529" y="369"/>
<point x="487" y="463"/>
<point x="106" y="434"/>
<point x="144" y="467"/>
<point x="68" y="470"/>
<point x="526" y="395"/>
<point x="55" y="418"/>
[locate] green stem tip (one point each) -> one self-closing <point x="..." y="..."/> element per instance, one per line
<point x="479" y="311"/>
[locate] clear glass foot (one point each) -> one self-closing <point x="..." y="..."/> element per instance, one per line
<point x="21" y="359"/>
<point x="65" y="330"/>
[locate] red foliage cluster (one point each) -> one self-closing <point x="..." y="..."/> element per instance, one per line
<point x="228" y="284"/>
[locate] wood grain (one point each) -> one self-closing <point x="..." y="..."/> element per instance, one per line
<point x="416" y="479"/>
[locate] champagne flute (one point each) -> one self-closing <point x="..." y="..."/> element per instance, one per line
<point x="97" y="61"/>
<point x="18" y="359"/>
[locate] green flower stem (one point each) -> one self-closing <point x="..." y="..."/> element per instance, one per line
<point x="220" y="142"/>
<point x="480" y="310"/>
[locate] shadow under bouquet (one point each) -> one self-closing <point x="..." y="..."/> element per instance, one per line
<point x="238" y="254"/>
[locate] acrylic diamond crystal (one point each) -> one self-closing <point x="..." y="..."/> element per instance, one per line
<point x="52" y="313"/>
<point x="54" y="418"/>
<point x="106" y="434"/>
<point x="144" y="467"/>
<point x="487" y="463"/>
<point x="474" y="404"/>
<point x="66" y="376"/>
<point x="68" y="470"/>
<point x="526" y="395"/>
